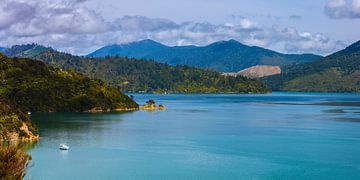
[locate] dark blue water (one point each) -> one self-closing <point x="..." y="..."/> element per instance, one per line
<point x="274" y="136"/>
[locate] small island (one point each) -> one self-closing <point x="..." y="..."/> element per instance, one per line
<point x="151" y="106"/>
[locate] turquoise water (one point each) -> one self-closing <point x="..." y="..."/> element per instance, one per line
<point x="274" y="136"/>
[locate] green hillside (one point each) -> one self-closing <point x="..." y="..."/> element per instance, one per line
<point x="28" y="85"/>
<point x="339" y="72"/>
<point x="35" y="86"/>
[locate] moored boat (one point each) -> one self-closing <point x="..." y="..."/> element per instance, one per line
<point x="64" y="147"/>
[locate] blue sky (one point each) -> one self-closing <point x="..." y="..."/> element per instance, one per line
<point x="81" y="26"/>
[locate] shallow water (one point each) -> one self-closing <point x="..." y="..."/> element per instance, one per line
<point x="273" y="136"/>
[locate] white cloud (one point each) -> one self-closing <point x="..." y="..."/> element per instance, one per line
<point x="246" y="23"/>
<point x="32" y="18"/>
<point x="343" y="9"/>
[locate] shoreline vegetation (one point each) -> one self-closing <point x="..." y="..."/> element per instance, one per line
<point x="151" y="106"/>
<point x="14" y="161"/>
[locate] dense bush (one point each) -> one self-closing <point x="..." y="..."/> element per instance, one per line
<point x="12" y="119"/>
<point x="34" y="86"/>
<point x="13" y="163"/>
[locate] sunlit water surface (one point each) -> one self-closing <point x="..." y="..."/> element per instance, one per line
<point x="274" y="136"/>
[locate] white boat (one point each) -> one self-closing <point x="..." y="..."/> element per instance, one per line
<point x="64" y="147"/>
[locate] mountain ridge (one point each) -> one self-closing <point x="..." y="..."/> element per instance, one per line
<point x="224" y="56"/>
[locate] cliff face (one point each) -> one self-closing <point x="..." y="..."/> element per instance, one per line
<point x="15" y="125"/>
<point x="258" y="71"/>
<point x="261" y="71"/>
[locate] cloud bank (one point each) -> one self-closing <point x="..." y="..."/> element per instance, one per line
<point x="69" y="26"/>
<point x="338" y="9"/>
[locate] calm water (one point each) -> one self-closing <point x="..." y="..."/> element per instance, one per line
<point x="275" y="136"/>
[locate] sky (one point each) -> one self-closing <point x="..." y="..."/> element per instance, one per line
<point x="82" y="26"/>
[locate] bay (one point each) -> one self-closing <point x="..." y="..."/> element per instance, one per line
<point x="206" y="136"/>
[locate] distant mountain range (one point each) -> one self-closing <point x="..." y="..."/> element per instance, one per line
<point x="224" y="56"/>
<point x="133" y="75"/>
<point x="339" y="72"/>
<point x="2" y="49"/>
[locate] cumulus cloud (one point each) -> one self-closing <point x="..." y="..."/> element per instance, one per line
<point x="69" y="26"/>
<point x="300" y="42"/>
<point x="131" y="23"/>
<point x="31" y="18"/>
<point x="343" y="9"/>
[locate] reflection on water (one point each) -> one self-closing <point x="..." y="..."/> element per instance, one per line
<point x="29" y="145"/>
<point x="345" y="114"/>
<point x="195" y="110"/>
<point x="64" y="154"/>
<point x="316" y="103"/>
<point x="350" y="110"/>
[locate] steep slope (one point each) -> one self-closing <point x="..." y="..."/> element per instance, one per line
<point x="34" y="86"/>
<point x="339" y="72"/>
<point x="225" y="56"/>
<point x="15" y="124"/>
<point x="260" y="71"/>
<point x="133" y="75"/>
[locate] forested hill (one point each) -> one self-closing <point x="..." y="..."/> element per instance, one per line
<point x="224" y="56"/>
<point x="339" y="72"/>
<point x="34" y="86"/>
<point x="132" y="75"/>
<point x="29" y="85"/>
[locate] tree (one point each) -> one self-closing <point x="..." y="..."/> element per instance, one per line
<point x="13" y="162"/>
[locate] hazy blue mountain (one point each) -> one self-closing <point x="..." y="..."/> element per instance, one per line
<point x="226" y="56"/>
<point x="2" y="49"/>
<point x="338" y="72"/>
<point x="134" y="49"/>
